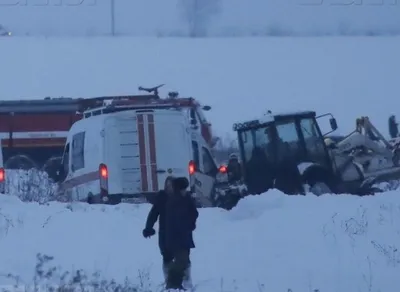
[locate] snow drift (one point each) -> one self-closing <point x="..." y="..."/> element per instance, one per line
<point x="270" y="242"/>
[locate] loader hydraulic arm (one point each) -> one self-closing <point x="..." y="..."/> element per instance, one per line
<point x="371" y="131"/>
<point x="366" y="136"/>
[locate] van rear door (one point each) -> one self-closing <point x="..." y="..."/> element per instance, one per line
<point x="168" y="146"/>
<point x="122" y="154"/>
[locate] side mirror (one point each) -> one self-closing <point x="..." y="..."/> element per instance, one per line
<point x="333" y="123"/>
<point x="206" y="108"/>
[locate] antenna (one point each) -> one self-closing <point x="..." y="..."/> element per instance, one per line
<point x="153" y="90"/>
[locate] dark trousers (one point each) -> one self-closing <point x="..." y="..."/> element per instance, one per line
<point x="178" y="263"/>
<point x="168" y="257"/>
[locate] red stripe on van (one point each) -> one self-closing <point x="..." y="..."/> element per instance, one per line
<point x="79" y="180"/>
<point x="153" y="157"/>
<point x="142" y="153"/>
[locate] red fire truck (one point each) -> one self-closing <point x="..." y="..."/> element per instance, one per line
<point x="33" y="132"/>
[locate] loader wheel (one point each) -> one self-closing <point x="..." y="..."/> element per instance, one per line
<point x="225" y="199"/>
<point x="319" y="181"/>
<point x="320" y="188"/>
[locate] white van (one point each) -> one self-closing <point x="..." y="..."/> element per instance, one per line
<point x="129" y="154"/>
<point x="2" y="171"/>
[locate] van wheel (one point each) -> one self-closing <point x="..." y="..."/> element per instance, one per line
<point x="114" y="200"/>
<point x="20" y="162"/>
<point x="93" y="199"/>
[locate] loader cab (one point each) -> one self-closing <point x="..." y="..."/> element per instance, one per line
<point x="279" y="140"/>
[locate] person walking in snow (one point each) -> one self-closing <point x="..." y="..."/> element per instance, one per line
<point x="181" y="217"/>
<point x="159" y="211"/>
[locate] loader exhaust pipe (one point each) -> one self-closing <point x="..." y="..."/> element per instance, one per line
<point x="393" y="127"/>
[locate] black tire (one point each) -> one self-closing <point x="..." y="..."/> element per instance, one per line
<point x="20" y="162"/>
<point x="114" y="200"/>
<point x="319" y="181"/>
<point x="91" y="199"/>
<point x="225" y="199"/>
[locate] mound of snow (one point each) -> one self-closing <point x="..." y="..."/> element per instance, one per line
<point x="269" y="242"/>
<point x="30" y="185"/>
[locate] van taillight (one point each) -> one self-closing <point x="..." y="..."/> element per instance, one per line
<point x="192" y="167"/>
<point x="223" y="169"/>
<point x="103" y="172"/>
<point x="2" y="175"/>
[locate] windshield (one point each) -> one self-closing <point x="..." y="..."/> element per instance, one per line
<point x="278" y="141"/>
<point x="290" y="140"/>
<point x="313" y="140"/>
<point x="254" y="138"/>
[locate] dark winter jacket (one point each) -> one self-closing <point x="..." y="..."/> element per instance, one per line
<point x="180" y="221"/>
<point x="158" y="211"/>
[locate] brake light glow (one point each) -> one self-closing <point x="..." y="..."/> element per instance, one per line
<point x="103" y="171"/>
<point x="223" y="169"/>
<point x="192" y="167"/>
<point x="2" y="175"/>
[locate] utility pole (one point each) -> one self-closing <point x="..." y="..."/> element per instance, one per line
<point x="112" y="10"/>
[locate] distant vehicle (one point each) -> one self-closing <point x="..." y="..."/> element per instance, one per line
<point x="293" y="142"/>
<point x="34" y="132"/>
<point x="126" y="149"/>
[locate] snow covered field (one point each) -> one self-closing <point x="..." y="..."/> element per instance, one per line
<point x="267" y="243"/>
<point x="234" y="17"/>
<point x="239" y="77"/>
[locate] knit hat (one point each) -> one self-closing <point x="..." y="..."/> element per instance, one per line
<point x="180" y="183"/>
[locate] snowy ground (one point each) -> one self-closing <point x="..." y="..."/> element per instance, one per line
<point x="267" y="243"/>
<point x="240" y="77"/>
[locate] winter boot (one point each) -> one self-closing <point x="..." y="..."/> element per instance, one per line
<point x="174" y="279"/>
<point x="187" y="278"/>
